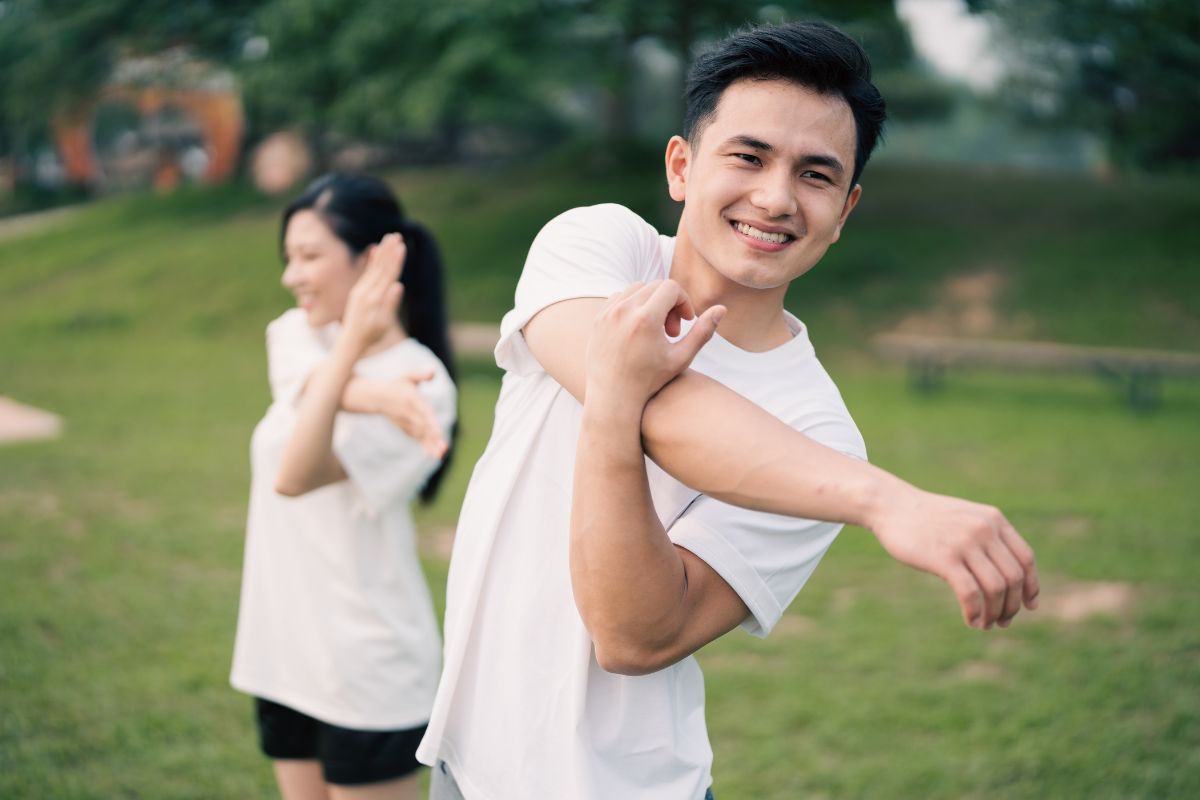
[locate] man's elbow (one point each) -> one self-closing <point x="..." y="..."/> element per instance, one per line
<point x="632" y="658"/>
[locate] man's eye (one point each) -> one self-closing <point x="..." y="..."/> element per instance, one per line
<point x="808" y="173"/>
<point x="750" y="159"/>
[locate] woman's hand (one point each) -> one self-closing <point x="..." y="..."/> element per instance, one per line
<point x="371" y="307"/>
<point x="403" y="403"/>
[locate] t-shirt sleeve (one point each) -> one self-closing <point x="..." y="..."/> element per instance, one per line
<point x="765" y="558"/>
<point x="293" y="352"/>
<point x="384" y="463"/>
<point x="594" y="251"/>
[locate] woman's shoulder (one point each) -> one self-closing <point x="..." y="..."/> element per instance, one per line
<point x="292" y="322"/>
<point x="407" y="355"/>
<point x="292" y="328"/>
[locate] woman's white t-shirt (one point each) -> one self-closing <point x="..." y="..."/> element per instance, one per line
<point x="524" y="710"/>
<point x="336" y="619"/>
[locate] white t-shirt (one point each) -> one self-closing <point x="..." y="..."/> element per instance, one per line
<point x="523" y="709"/>
<point x="336" y="619"/>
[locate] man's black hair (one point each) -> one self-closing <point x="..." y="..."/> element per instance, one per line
<point x="811" y="54"/>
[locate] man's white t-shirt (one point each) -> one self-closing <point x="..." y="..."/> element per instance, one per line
<point x="335" y="618"/>
<point x="523" y="709"/>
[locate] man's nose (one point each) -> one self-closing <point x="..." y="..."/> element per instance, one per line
<point x="775" y="194"/>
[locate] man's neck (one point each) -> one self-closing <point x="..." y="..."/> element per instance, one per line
<point x="754" y="318"/>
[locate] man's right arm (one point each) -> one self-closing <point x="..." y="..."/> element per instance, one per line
<point x="717" y="442"/>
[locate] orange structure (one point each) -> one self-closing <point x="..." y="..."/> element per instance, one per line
<point x="202" y="94"/>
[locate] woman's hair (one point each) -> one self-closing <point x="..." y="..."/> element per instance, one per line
<point x="360" y="211"/>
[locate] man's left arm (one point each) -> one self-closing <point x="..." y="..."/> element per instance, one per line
<point x="646" y="602"/>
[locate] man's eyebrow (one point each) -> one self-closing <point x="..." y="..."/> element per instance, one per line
<point x="817" y="160"/>
<point x="751" y="142"/>
<point x="806" y="160"/>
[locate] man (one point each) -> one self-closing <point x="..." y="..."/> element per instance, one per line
<point x="585" y="575"/>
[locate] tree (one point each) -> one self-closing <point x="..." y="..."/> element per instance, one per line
<point x="607" y="30"/>
<point x="385" y="71"/>
<point x="56" y="54"/>
<point x="1126" y="69"/>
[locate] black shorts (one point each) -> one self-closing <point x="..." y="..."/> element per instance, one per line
<point x="348" y="757"/>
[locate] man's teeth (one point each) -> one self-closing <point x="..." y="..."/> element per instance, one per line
<point x="750" y="230"/>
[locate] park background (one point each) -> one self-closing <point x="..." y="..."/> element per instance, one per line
<point x="1039" y="183"/>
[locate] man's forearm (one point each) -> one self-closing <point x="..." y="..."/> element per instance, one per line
<point x="710" y="438"/>
<point x="719" y="443"/>
<point x="627" y="577"/>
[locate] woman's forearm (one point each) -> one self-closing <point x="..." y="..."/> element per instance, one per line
<point x="363" y="396"/>
<point x="308" y="460"/>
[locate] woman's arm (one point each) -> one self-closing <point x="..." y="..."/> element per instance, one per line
<point x="308" y="460"/>
<point x="400" y="400"/>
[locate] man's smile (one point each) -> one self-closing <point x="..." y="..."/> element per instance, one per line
<point x="760" y="239"/>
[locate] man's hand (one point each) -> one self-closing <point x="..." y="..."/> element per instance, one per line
<point x="970" y="546"/>
<point x="629" y="357"/>
<point x="371" y="307"/>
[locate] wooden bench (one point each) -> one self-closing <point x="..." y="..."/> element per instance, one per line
<point x="1138" y="372"/>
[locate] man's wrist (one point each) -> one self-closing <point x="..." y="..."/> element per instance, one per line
<point x="612" y="412"/>
<point x="880" y="494"/>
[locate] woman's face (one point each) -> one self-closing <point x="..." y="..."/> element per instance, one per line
<point x="320" y="268"/>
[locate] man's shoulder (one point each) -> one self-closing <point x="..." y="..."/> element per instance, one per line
<point x="606" y="219"/>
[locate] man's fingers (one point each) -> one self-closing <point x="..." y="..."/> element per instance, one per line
<point x="1014" y="579"/>
<point x="420" y="376"/>
<point x="991" y="582"/>
<point x="687" y="347"/>
<point x="1023" y="553"/>
<point x="967" y="592"/>
<point x="668" y="296"/>
<point x="628" y="291"/>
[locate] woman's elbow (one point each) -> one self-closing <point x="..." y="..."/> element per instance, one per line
<point x="291" y="486"/>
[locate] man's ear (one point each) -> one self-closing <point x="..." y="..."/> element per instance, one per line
<point x="679" y="155"/>
<point x="851" y="202"/>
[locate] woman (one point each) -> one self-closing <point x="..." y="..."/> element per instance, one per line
<point x="337" y="638"/>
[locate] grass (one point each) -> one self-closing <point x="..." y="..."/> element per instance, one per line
<point x="140" y="321"/>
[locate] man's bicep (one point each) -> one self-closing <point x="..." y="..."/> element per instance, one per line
<point x="558" y="335"/>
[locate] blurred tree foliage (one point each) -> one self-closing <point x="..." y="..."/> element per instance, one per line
<point x="421" y="76"/>
<point x="55" y="54"/>
<point x="1127" y="69"/>
<point x="388" y="72"/>
<point x="436" y="70"/>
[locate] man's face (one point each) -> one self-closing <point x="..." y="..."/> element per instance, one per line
<point x="766" y="189"/>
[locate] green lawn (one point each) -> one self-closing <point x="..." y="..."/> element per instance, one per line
<point x="140" y="321"/>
